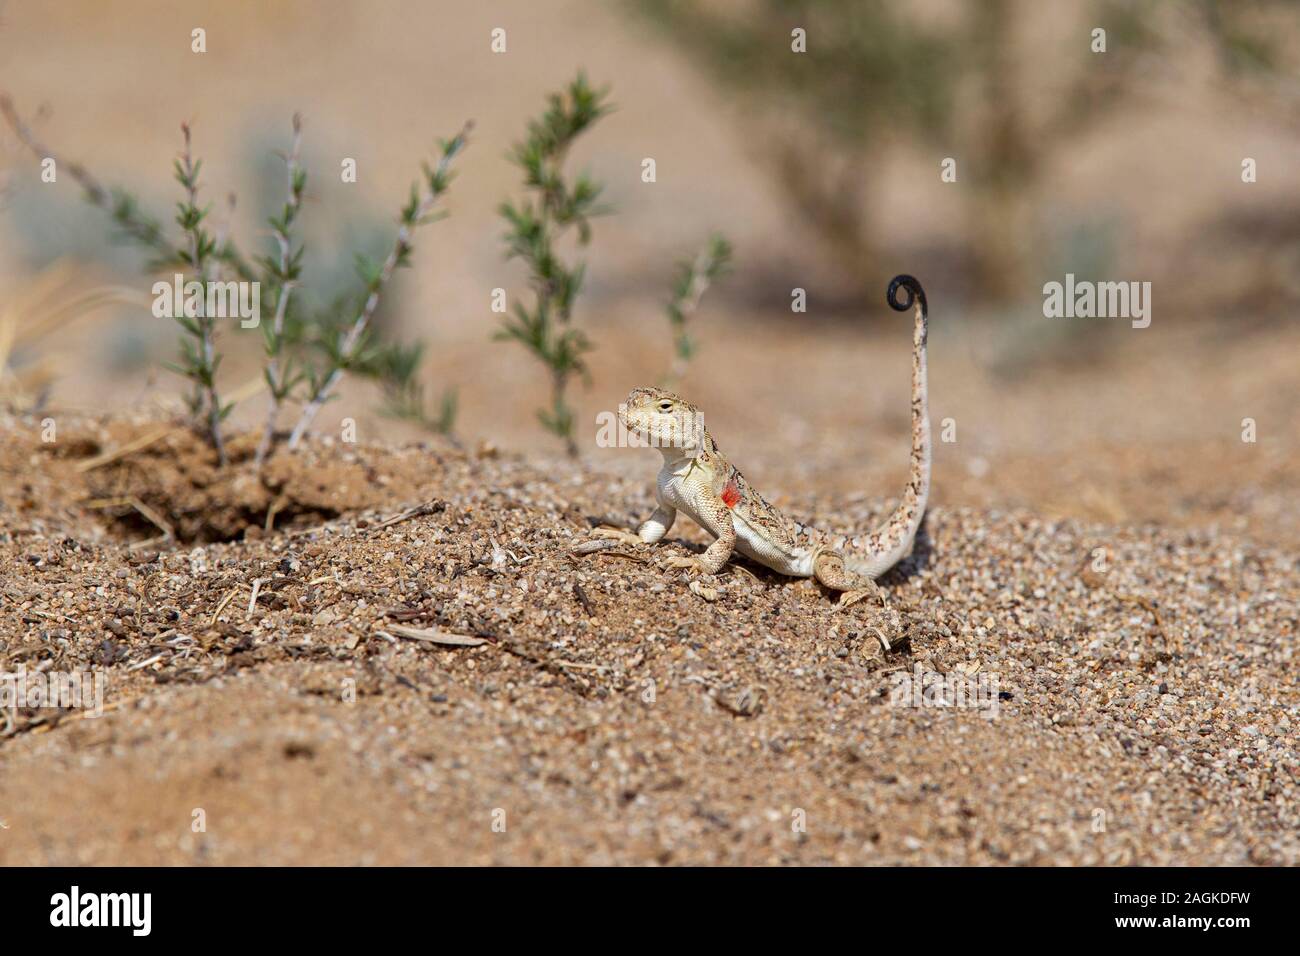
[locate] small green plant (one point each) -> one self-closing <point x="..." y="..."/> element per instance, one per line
<point x="536" y="226"/>
<point x="199" y="358"/>
<point x="282" y="271"/>
<point x="200" y="253"/>
<point x="343" y="332"/>
<point x="348" y="349"/>
<point x="693" y="279"/>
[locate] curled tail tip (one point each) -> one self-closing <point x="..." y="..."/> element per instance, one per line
<point x="914" y="293"/>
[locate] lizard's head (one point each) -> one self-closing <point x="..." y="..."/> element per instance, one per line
<point x="663" y="420"/>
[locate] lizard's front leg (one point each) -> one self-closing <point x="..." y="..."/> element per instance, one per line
<point x="716" y="555"/>
<point x="652" y="530"/>
<point x="656" y="526"/>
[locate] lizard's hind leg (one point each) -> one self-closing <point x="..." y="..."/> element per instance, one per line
<point x="829" y="568"/>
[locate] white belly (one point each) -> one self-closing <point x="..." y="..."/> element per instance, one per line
<point x="755" y="546"/>
<point x="676" y="493"/>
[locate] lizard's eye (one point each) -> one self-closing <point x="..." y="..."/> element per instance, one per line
<point x="665" y="406"/>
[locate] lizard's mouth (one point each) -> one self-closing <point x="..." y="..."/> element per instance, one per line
<point x="643" y="436"/>
<point x="631" y="424"/>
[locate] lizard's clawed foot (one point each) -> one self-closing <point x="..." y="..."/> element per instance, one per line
<point x="684" y="564"/>
<point x="850" y="598"/>
<point x="618" y="534"/>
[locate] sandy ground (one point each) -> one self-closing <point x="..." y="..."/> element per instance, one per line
<point x="1140" y="708"/>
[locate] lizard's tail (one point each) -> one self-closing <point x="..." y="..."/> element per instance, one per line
<point x="887" y="545"/>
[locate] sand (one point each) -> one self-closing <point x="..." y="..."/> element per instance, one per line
<point x="1129" y="691"/>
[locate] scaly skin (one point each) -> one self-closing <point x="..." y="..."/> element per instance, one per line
<point x="697" y="479"/>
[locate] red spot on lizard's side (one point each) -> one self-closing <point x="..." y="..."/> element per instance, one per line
<point x="731" y="494"/>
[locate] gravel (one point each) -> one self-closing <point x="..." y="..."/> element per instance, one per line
<point x="1035" y="690"/>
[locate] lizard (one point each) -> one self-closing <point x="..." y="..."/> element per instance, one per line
<point x="698" y="479"/>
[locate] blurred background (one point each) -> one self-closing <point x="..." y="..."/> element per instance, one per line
<point x="823" y="169"/>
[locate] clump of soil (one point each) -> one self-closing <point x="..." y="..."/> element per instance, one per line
<point x="163" y="484"/>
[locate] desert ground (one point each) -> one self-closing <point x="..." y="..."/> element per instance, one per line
<point x="608" y="712"/>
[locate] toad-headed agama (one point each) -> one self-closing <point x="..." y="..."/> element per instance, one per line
<point x="696" y="478"/>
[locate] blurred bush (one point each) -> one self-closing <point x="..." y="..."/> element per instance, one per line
<point x="951" y="78"/>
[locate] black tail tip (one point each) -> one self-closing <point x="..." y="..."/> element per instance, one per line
<point x="914" y="293"/>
